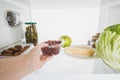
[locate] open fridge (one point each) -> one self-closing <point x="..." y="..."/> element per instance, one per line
<point x="56" y="18"/>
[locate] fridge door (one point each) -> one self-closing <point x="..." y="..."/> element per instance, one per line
<point x="8" y="34"/>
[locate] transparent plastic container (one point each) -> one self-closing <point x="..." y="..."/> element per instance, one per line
<point x="53" y="47"/>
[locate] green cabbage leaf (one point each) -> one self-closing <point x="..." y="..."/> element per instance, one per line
<point x="108" y="46"/>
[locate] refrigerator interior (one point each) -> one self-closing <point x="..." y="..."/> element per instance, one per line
<point x="80" y="19"/>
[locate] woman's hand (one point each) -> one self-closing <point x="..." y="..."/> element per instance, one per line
<point x="37" y="58"/>
<point x="17" y="67"/>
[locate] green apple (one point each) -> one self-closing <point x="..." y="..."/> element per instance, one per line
<point x="66" y="41"/>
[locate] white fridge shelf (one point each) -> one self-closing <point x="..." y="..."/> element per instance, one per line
<point x="63" y="67"/>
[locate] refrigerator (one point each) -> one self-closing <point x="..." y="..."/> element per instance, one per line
<point x="79" y="19"/>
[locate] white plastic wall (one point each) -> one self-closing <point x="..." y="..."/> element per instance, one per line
<point x="109" y="13"/>
<point x="77" y="19"/>
<point x="79" y="24"/>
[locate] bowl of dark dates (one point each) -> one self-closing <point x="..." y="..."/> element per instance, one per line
<point x="14" y="50"/>
<point x="53" y="47"/>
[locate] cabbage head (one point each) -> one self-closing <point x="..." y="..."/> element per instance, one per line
<point x="108" y="46"/>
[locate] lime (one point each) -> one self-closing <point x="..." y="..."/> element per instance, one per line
<point x="66" y="40"/>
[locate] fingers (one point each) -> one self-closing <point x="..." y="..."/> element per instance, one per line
<point x="42" y="45"/>
<point x="38" y="47"/>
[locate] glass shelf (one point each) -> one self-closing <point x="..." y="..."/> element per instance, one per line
<point x="63" y="64"/>
<point x="63" y="67"/>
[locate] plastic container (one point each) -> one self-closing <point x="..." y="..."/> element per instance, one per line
<point x="53" y="47"/>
